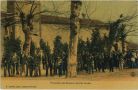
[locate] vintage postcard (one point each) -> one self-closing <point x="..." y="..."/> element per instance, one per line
<point x="69" y="44"/>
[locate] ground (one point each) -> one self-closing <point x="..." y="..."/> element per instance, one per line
<point x="125" y="79"/>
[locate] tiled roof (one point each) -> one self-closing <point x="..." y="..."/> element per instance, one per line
<point x="63" y="20"/>
<point x="48" y="19"/>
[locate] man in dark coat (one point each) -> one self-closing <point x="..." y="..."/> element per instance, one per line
<point x="111" y="63"/>
<point x="64" y="62"/>
<point x="6" y="64"/>
<point x="37" y="61"/>
<point x="15" y="64"/>
<point x="102" y="62"/>
<point x="99" y="61"/>
<point x="22" y="63"/>
<point x="96" y="61"/>
<point x="55" y="64"/>
<point x="31" y="65"/>
<point x="106" y="60"/>
<point x="59" y="66"/>
<point x="44" y="57"/>
<point x="89" y="63"/>
<point x="49" y="64"/>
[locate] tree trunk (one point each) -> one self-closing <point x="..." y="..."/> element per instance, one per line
<point x="123" y="45"/>
<point x="7" y="33"/>
<point x="74" y="27"/>
<point x="27" y="43"/>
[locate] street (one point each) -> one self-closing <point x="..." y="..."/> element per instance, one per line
<point x="126" y="79"/>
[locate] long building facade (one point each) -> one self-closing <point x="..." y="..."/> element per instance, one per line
<point x="48" y="27"/>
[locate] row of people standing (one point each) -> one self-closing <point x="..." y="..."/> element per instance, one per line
<point x="131" y="58"/>
<point x="20" y="64"/>
<point x="91" y="62"/>
<point x="32" y="65"/>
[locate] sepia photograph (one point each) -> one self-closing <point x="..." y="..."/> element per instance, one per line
<point x="69" y="44"/>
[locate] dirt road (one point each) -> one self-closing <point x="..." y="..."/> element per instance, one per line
<point x="126" y="79"/>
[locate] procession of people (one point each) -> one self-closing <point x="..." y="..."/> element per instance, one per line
<point x="32" y="65"/>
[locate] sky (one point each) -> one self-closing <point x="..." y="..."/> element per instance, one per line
<point x="101" y="10"/>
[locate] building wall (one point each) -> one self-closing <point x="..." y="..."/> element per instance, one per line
<point x="50" y="31"/>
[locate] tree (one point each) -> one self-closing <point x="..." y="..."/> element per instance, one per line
<point x="26" y="21"/>
<point x="12" y="45"/>
<point x="45" y="47"/>
<point x="118" y="30"/>
<point x="88" y="45"/>
<point x="32" y="49"/>
<point x="96" y="41"/>
<point x="113" y="33"/>
<point x="74" y="27"/>
<point x="81" y="47"/>
<point x="65" y="48"/>
<point x="27" y="25"/>
<point x="58" y="50"/>
<point x="122" y="37"/>
<point x="57" y="47"/>
<point x="105" y="43"/>
<point x="124" y="33"/>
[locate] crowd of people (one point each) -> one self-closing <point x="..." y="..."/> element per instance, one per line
<point x="32" y="65"/>
<point x="103" y="61"/>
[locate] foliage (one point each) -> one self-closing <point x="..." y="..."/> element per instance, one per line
<point x="12" y="45"/>
<point x="96" y="41"/>
<point x="81" y="46"/>
<point x="57" y="46"/>
<point x="65" y="48"/>
<point x="45" y="47"/>
<point x="32" y="48"/>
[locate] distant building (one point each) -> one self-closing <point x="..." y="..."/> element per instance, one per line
<point x="48" y="27"/>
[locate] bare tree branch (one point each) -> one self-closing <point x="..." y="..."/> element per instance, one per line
<point x="18" y="8"/>
<point x="128" y="18"/>
<point x="130" y="31"/>
<point x="132" y="35"/>
<point x="32" y="7"/>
